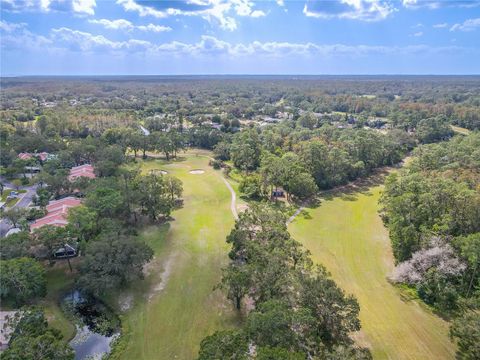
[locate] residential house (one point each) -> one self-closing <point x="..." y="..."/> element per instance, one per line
<point x="57" y="212"/>
<point x="81" y="171"/>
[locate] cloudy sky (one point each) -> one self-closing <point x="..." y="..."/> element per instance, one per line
<point x="93" y="37"/>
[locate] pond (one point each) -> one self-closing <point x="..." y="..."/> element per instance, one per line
<point x="97" y="325"/>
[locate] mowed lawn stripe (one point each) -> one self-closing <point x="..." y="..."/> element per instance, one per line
<point x="178" y="316"/>
<point x="347" y="235"/>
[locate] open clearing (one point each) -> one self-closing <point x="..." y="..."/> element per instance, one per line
<point x="175" y="307"/>
<point x="346" y="234"/>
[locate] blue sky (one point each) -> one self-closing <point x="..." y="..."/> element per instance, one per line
<point x="141" y="37"/>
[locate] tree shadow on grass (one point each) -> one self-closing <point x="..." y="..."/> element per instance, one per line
<point x="305" y="215"/>
<point x="152" y="157"/>
<point x="350" y="191"/>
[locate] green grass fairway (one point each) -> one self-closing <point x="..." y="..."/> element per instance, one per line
<point x="346" y="234"/>
<point x="175" y="307"/>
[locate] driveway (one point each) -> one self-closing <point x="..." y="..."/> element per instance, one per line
<point x="27" y="197"/>
<point x="24" y="202"/>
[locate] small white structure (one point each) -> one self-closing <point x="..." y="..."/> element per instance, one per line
<point x="145" y="131"/>
<point x="13" y="231"/>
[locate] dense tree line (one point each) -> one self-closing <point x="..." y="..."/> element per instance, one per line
<point x="296" y="310"/>
<point x="88" y="107"/>
<point x="300" y="161"/>
<point x="432" y="209"/>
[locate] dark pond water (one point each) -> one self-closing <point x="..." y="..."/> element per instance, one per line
<point x="97" y="325"/>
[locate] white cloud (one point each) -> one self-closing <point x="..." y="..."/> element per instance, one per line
<point x="245" y="8"/>
<point x="154" y="28"/>
<point x="418" y="34"/>
<point x="414" y="4"/>
<point x="364" y="10"/>
<point x="219" y="11"/>
<point x="80" y="7"/>
<point x="210" y="46"/>
<point x="84" y="6"/>
<point x="257" y="13"/>
<point x="122" y="24"/>
<point x="16" y="36"/>
<point x="408" y="3"/>
<point x="10" y="27"/>
<point x="440" y="26"/>
<point x="437" y="4"/>
<point x="467" y="25"/>
<point x="280" y="2"/>
<point x="83" y="41"/>
<point x="113" y="24"/>
<point x="64" y="40"/>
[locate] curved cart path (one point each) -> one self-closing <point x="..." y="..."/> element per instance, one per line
<point x="233" y="203"/>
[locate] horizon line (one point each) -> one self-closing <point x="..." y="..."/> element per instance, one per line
<point x="232" y="74"/>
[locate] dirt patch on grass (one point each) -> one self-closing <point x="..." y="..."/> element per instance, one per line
<point x="125" y="302"/>
<point x="197" y="171"/>
<point x="167" y="270"/>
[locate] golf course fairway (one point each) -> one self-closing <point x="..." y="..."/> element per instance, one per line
<point x="346" y="234"/>
<point x="175" y="307"/>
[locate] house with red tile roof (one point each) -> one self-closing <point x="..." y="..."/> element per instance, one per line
<point x="25" y="156"/>
<point x="82" y="171"/>
<point x="43" y="156"/>
<point x="57" y="212"/>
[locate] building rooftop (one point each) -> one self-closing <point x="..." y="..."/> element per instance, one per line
<point x="13" y="231"/>
<point x="82" y="171"/>
<point x="57" y="212"/>
<point x="26" y="155"/>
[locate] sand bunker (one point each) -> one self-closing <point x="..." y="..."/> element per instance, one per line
<point x="159" y="171"/>
<point x="197" y="171"/>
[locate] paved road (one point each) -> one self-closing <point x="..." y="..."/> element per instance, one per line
<point x="24" y="202"/>
<point x="27" y="197"/>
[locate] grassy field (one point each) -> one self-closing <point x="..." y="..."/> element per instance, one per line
<point x="175" y="307"/>
<point x="346" y="234"/>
